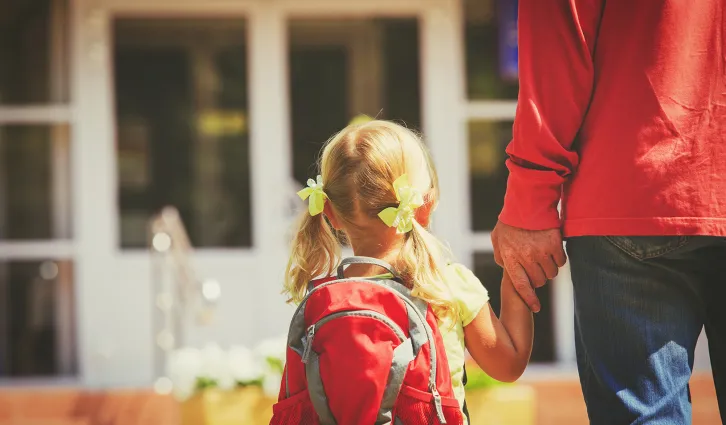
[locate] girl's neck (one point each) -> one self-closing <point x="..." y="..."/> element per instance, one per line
<point x="386" y="252"/>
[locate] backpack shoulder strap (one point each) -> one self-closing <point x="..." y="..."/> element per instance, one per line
<point x="364" y="260"/>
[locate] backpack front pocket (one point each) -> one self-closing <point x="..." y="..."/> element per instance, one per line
<point x="416" y="407"/>
<point x="296" y="410"/>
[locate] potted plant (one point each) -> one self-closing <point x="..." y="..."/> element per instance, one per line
<point x="226" y="387"/>
<point x="491" y="402"/>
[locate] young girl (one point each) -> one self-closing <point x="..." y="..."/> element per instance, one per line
<point x="378" y="188"/>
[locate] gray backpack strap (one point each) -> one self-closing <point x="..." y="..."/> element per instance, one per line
<point x="364" y="260"/>
<point x="402" y="357"/>
<point x="317" y="393"/>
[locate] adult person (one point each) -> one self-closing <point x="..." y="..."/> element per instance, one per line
<point x="621" y="120"/>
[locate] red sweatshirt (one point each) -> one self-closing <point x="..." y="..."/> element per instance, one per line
<point x="621" y="116"/>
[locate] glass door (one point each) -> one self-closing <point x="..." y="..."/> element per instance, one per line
<point x="182" y="128"/>
<point x="340" y="69"/>
<point x="183" y="141"/>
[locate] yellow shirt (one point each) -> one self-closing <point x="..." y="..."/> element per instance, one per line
<point x="471" y="296"/>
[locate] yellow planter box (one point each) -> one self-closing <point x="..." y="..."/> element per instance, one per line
<point x="502" y="405"/>
<point x="245" y="406"/>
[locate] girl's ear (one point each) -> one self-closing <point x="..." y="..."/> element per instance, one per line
<point x="330" y="213"/>
<point x="423" y="213"/>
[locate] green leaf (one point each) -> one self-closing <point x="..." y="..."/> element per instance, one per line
<point x="204" y="383"/>
<point x="477" y="379"/>
<point x="254" y="383"/>
<point x="276" y="364"/>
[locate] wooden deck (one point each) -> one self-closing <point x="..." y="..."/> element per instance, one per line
<point x="559" y="402"/>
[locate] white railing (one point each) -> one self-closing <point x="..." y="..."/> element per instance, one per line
<point x="181" y="298"/>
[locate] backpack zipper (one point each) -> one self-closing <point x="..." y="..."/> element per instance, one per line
<point x="351" y="313"/>
<point x="438" y="406"/>
<point x="308" y="344"/>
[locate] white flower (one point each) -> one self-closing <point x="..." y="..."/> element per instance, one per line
<point x="183" y="369"/>
<point x="272" y="349"/>
<point x="244" y="367"/>
<point x="271" y="384"/>
<point x="225" y="369"/>
<point x="215" y="366"/>
<point x="272" y="353"/>
<point x="184" y="389"/>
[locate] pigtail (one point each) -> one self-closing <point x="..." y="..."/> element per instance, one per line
<point x="315" y="252"/>
<point x="421" y="261"/>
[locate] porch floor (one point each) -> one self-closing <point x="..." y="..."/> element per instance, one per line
<point x="559" y="402"/>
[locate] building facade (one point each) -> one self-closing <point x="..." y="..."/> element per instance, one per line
<point x="113" y="109"/>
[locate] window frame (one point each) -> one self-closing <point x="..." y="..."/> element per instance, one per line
<point x="61" y="246"/>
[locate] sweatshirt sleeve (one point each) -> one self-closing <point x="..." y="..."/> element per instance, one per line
<point x="556" y="44"/>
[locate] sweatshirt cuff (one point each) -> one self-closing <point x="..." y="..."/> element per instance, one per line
<point x="531" y="199"/>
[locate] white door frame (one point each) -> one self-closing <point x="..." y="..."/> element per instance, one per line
<point x="104" y="354"/>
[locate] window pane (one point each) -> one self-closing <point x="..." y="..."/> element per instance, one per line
<point x="487" y="143"/>
<point x="36" y="319"/>
<point x="491" y="276"/>
<point x="181" y="111"/>
<point x="33" y="51"/>
<point x="342" y="68"/>
<point x="34" y="182"/>
<point x="491" y="49"/>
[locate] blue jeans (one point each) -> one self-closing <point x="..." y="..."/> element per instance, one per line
<point x="640" y="305"/>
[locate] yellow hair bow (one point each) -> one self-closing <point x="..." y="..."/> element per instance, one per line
<point x="314" y="191"/>
<point x="409" y="199"/>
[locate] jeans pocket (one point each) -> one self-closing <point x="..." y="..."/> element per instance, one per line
<point x="648" y="247"/>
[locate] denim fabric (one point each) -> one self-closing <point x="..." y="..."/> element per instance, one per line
<point x="640" y="305"/>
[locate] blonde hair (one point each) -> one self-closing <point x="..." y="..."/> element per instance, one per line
<point x="358" y="166"/>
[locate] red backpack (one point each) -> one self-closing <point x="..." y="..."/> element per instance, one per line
<point x="364" y="351"/>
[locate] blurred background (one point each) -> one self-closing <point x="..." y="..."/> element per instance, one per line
<point x="111" y="110"/>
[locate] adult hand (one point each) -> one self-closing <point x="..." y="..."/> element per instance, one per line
<point x="531" y="257"/>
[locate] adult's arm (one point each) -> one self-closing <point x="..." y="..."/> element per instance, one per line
<point x="557" y="40"/>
